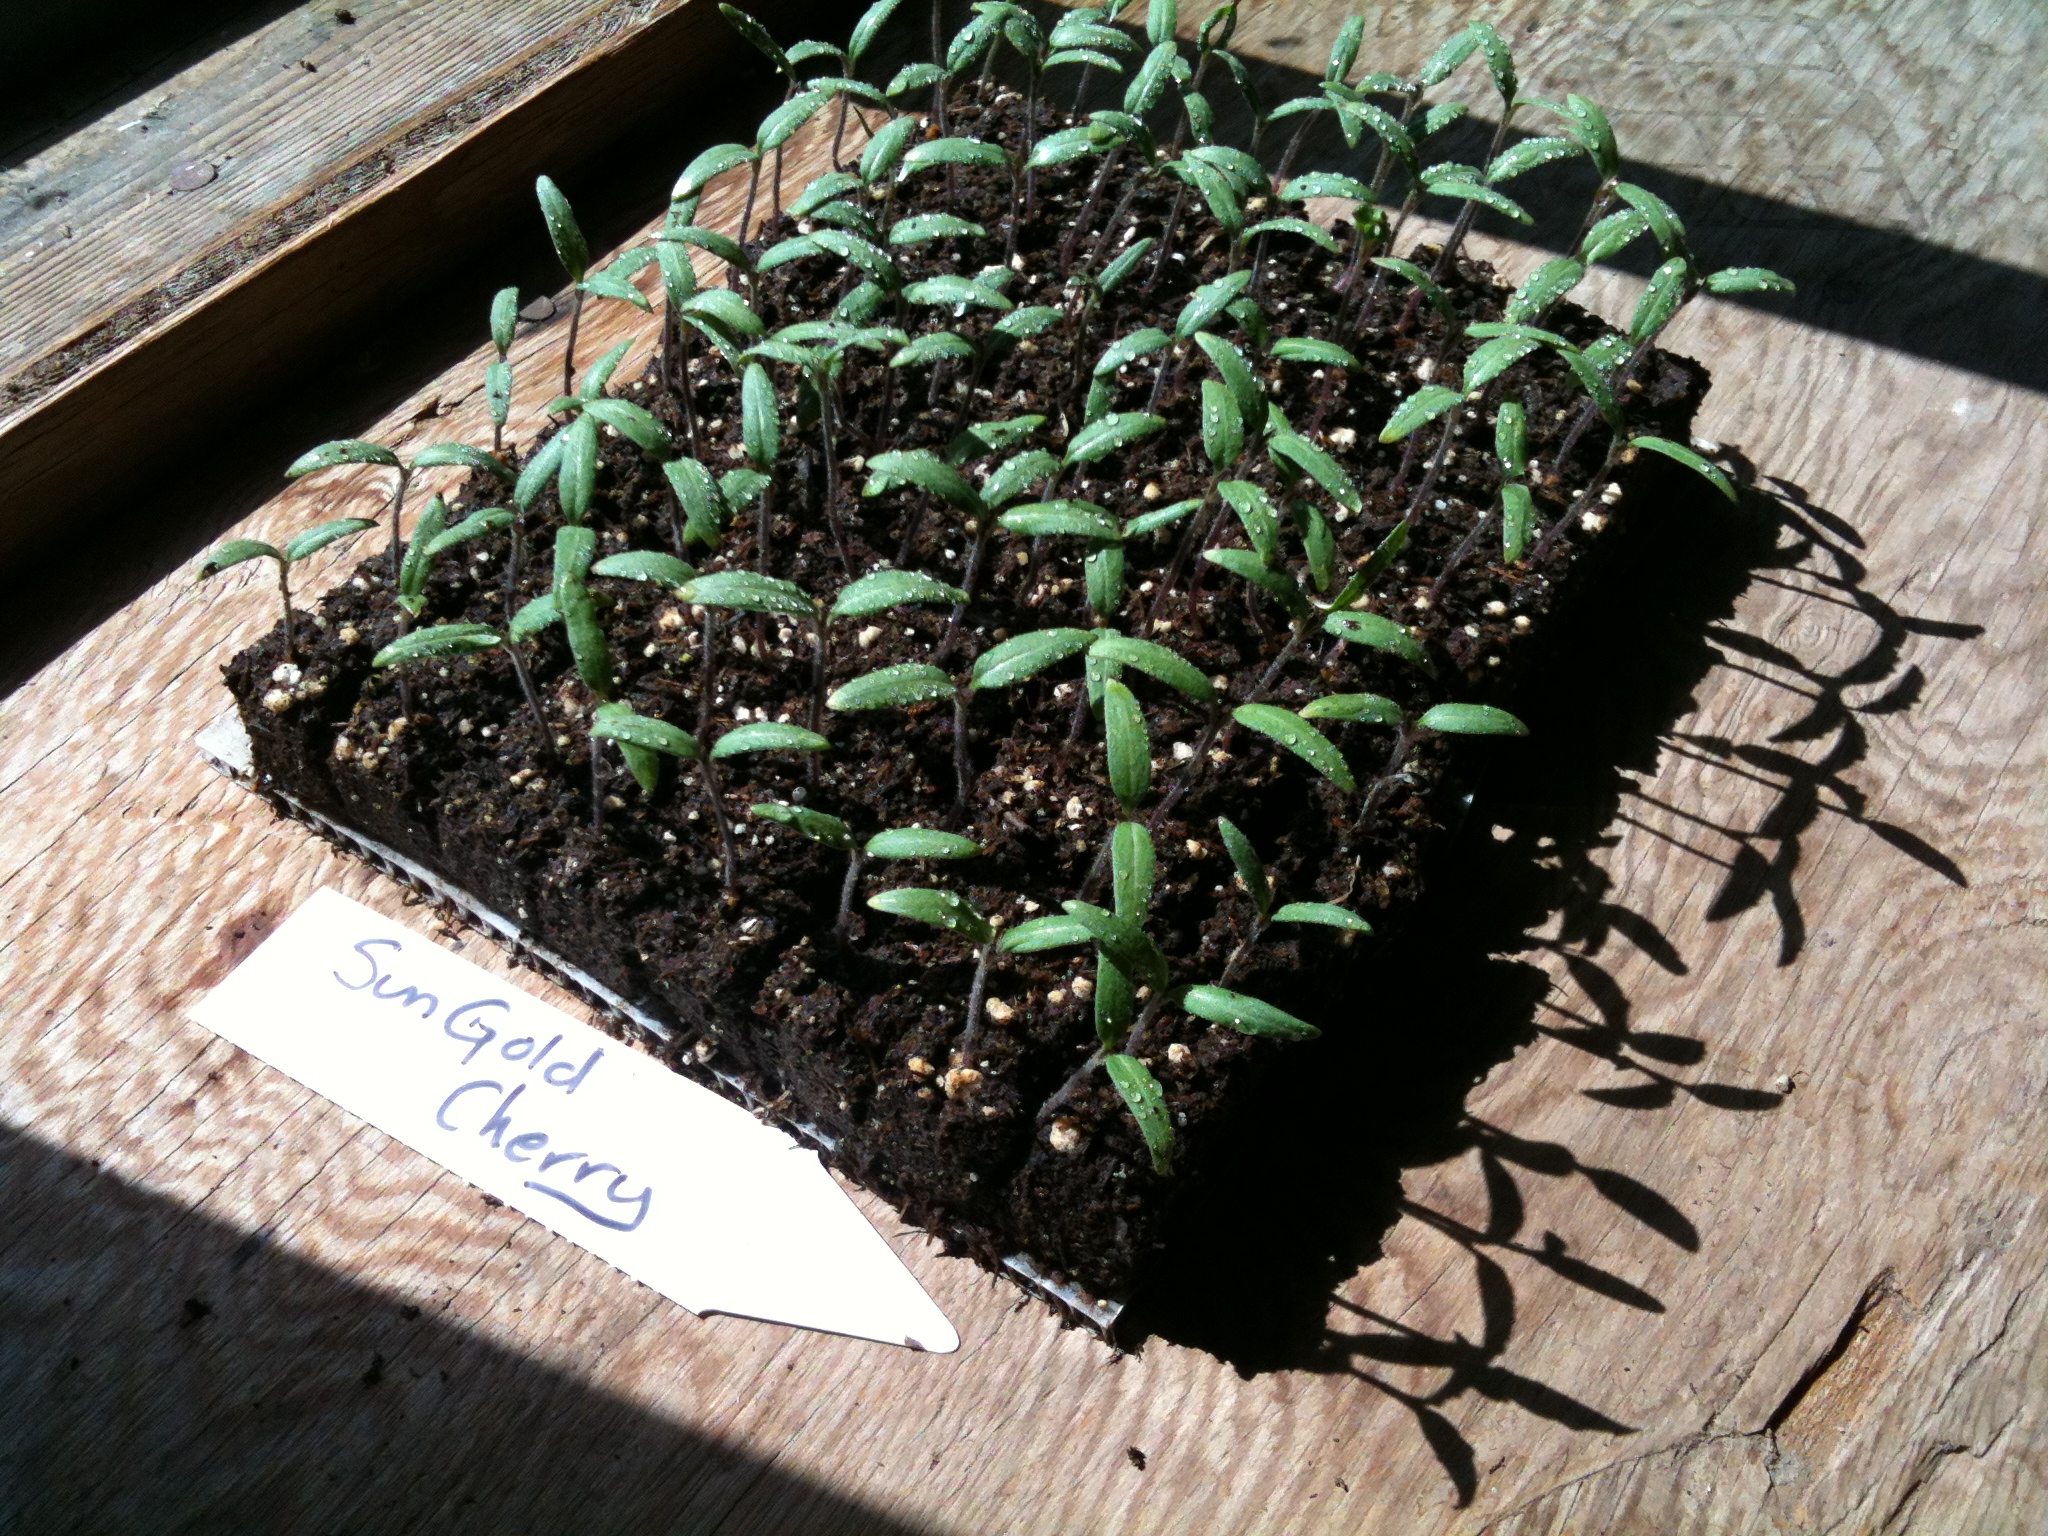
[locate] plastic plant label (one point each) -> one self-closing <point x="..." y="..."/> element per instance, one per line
<point x="685" y="1192"/>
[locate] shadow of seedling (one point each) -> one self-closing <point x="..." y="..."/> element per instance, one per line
<point x="1260" y="1249"/>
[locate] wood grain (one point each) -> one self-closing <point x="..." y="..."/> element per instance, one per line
<point x="1740" y="1234"/>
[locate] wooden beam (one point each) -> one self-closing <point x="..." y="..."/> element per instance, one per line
<point x="299" y="279"/>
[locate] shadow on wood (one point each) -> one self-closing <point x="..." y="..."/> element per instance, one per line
<point x="166" y="1372"/>
<point x="1260" y="1250"/>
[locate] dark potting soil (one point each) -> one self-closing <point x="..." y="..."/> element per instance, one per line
<point x="859" y="1033"/>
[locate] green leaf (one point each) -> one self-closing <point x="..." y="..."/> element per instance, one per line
<point x="1441" y="116"/>
<point x="1255" y="510"/>
<point x="1129" y="349"/>
<point x="1155" y="661"/>
<point x="824" y="189"/>
<point x="1594" y="382"/>
<point x="866" y="256"/>
<point x="868" y="28"/>
<point x="1491" y="359"/>
<point x="927" y="471"/>
<point x="1544" y="287"/>
<point x="637" y="425"/>
<point x="1314" y="233"/>
<point x="1661" y="217"/>
<point x="1660" y="300"/>
<point x="1113" y="275"/>
<point x="920" y="843"/>
<point x="1153" y="76"/>
<point x="1160" y="517"/>
<point x="1519" y="159"/>
<point x="600" y="372"/>
<point x="1517" y="518"/>
<point x="932" y="347"/>
<point x="1246" y="1015"/>
<point x="725" y="309"/>
<point x="535" y="616"/>
<point x="713" y="162"/>
<point x="1438" y="66"/>
<point x="609" y="285"/>
<point x="913" y="77"/>
<point x="574" y="547"/>
<point x="1103" y="571"/>
<point x="897" y="687"/>
<point x="1126" y="944"/>
<point x="439" y="641"/>
<point x="781" y="125"/>
<point x="1367" y="707"/>
<point x="704" y="507"/>
<point x="1431" y="290"/>
<point x="815" y="825"/>
<point x="933" y="226"/>
<point x="1325" y="184"/>
<point x="955" y="151"/>
<point x="1691" y="460"/>
<point x="1485" y="196"/>
<point x="1057" y="519"/>
<point x="1237" y="376"/>
<point x="1420" y="408"/>
<point x="1344" y="50"/>
<point x="1471" y="720"/>
<point x="1389" y="549"/>
<point x="316" y="539"/>
<point x="885" y="150"/>
<point x="1132" y="863"/>
<point x="563" y="232"/>
<point x="749" y="592"/>
<point x="1312" y="461"/>
<point x="1612" y="233"/>
<point x="1323" y="913"/>
<point x="1299" y="737"/>
<point x="783" y="252"/>
<point x="615" y="722"/>
<point x="646" y="565"/>
<point x="941" y="909"/>
<point x="891" y="589"/>
<point x="1748" y="280"/>
<point x="1250" y="868"/>
<point x="474" y="526"/>
<point x="1105" y="435"/>
<point x="1209" y="301"/>
<point x="1146" y="1101"/>
<point x="1072" y="143"/>
<point x="1032" y="320"/>
<point x="768" y="736"/>
<point x="441" y="455"/>
<point x="504" y="318"/>
<point x="756" y="34"/>
<point x="577" y="481"/>
<point x="234" y="552"/>
<point x="1277" y="584"/>
<point x="1128" y="744"/>
<point x="1377" y="633"/>
<point x="1222" y="425"/>
<point x="498" y="391"/>
<point x="1017" y="475"/>
<point x="342" y="451"/>
<point x="1511" y="439"/>
<point x="760" y="421"/>
<point x="1307" y="349"/>
<point x="1088" y="56"/>
<point x="1043" y="933"/>
<point x="950" y="288"/>
<point x="538" y="471"/>
<point x="1025" y="656"/>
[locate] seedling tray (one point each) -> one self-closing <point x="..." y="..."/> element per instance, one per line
<point x="985" y="709"/>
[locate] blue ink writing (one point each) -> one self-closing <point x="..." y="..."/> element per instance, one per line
<point x="610" y="1201"/>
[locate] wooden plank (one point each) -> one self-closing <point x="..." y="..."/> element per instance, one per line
<point x="1737" y="1233"/>
<point x="93" y="221"/>
<point x="383" y="220"/>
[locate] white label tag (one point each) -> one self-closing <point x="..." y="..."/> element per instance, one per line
<point x="685" y="1192"/>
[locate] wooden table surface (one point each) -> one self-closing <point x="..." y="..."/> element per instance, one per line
<point x="1683" y="1174"/>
